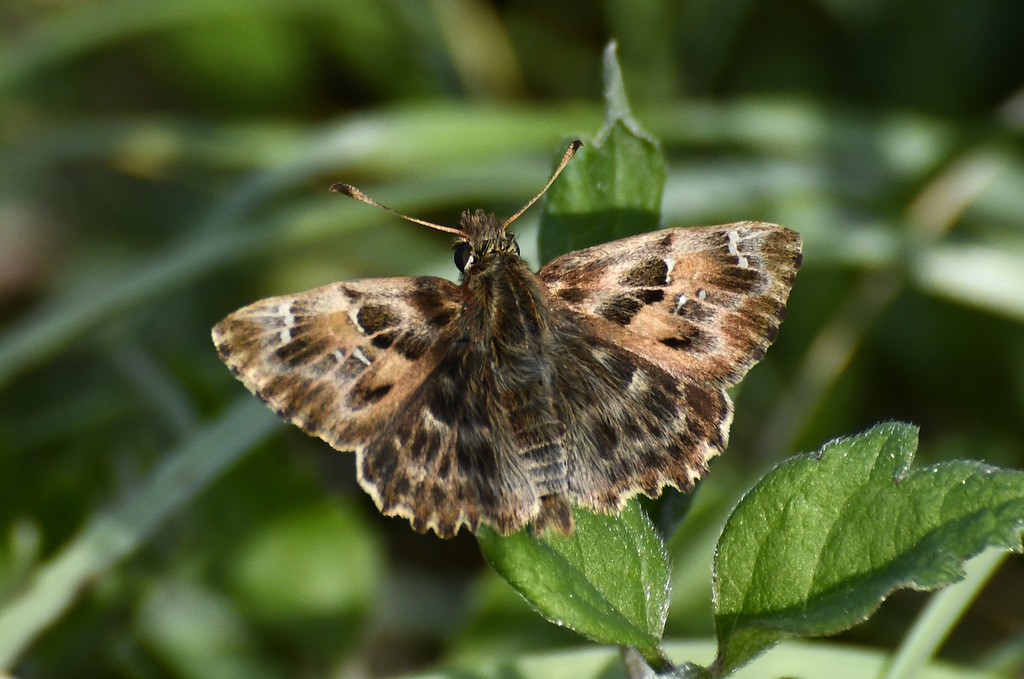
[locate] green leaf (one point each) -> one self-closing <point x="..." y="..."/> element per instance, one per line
<point x="612" y="188"/>
<point x="608" y="581"/>
<point x="816" y="546"/>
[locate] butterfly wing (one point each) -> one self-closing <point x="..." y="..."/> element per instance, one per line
<point x="451" y="456"/>
<point x="701" y="302"/>
<point x="381" y="367"/>
<point x="651" y="329"/>
<point x="336" y="360"/>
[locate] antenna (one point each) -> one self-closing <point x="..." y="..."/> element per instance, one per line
<point x="569" y="153"/>
<point x="353" y="192"/>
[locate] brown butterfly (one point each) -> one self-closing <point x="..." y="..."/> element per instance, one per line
<point x="513" y="396"/>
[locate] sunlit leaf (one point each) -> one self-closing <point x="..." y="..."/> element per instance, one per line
<point x="608" y="580"/>
<point x="816" y="546"/>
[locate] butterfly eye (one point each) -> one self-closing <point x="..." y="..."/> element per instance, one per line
<point x="463" y="255"/>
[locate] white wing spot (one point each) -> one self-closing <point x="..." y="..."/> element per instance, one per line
<point x="289" y="322"/>
<point x="638" y="382"/>
<point x="358" y="353"/>
<point x="433" y="422"/>
<point x="702" y="294"/>
<point x="670" y="264"/>
<point x="338" y="356"/>
<point x="353" y="315"/>
<point x="681" y="301"/>
<point x="734" y="241"/>
<point x="734" y="250"/>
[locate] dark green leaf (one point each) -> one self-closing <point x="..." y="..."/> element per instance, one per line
<point x="815" y="547"/>
<point x="608" y="580"/>
<point x="612" y="188"/>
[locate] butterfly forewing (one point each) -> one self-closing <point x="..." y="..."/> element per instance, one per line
<point x="340" y="361"/>
<point x="703" y="303"/>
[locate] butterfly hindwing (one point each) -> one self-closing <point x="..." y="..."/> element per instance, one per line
<point x="630" y="425"/>
<point x="449" y="458"/>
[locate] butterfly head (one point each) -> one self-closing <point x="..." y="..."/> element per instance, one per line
<point x="483" y="238"/>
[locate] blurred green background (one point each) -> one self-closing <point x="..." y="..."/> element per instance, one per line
<point x="166" y="162"/>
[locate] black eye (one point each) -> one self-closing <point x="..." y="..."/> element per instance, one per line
<point x="463" y="255"/>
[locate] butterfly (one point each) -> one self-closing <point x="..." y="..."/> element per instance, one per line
<point x="513" y="396"/>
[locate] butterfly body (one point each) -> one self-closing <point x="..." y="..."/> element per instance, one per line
<point x="515" y="395"/>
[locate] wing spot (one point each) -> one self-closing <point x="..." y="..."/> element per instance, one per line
<point x="362" y="397"/>
<point x="651" y="296"/>
<point x="375" y="317"/>
<point x="648" y="273"/>
<point x="358" y="353"/>
<point x="412" y="345"/>
<point x="573" y="295"/>
<point x="691" y="339"/>
<point x="734" y="241"/>
<point x="620" y="309"/>
<point x="383" y="340"/>
<point x="733" y="248"/>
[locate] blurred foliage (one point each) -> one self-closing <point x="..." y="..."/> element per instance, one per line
<point x="164" y="163"/>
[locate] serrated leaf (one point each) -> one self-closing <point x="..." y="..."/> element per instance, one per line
<point x="608" y="581"/>
<point x="816" y="546"/>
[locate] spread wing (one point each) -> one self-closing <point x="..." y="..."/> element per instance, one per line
<point x="381" y="367"/>
<point x="651" y="330"/>
<point x="451" y="456"/>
